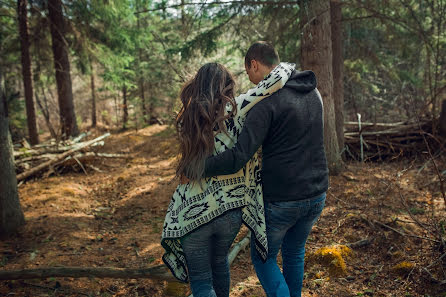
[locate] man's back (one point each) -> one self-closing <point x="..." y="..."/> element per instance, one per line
<point x="294" y="164"/>
<point x="289" y="127"/>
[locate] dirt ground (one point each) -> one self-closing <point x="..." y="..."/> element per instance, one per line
<point x="394" y="214"/>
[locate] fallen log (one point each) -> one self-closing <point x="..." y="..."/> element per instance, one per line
<point x="59" y="158"/>
<point x="56" y="143"/>
<point x="27" y="152"/>
<point x="86" y="157"/>
<point x="49" y="148"/>
<point x="389" y="132"/>
<point x="80" y="137"/>
<point x="33" y="155"/>
<point x="160" y="272"/>
<point x="35" y="158"/>
<point x="366" y="124"/>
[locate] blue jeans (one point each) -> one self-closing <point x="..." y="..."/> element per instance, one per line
<point x="206" y="250"/>
<point x="288" y="225"/>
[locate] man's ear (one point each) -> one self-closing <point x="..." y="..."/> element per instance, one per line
<point x="254" y="65"/>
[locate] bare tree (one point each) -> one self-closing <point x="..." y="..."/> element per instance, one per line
<point x="26" y="71"/>
<point x="11" y="215"/>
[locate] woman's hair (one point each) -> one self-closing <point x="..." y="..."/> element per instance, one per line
<point x="202" y="115"/>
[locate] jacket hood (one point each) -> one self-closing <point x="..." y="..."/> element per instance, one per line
<point x="302" y="81"/>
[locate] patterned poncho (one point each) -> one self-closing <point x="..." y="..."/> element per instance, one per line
<point x="193" y="205"/>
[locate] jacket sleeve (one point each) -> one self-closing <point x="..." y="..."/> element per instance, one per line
<point x="253" y="134"/>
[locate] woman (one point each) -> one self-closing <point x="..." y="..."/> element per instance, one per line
<point x="205" y="215"/>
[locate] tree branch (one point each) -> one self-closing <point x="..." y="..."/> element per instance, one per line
<point x="159" y="272"/>
<point x="270" y="3"/>
<point x="60" y="157"/>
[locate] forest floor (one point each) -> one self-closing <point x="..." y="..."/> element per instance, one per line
<point x="114" y="218"/>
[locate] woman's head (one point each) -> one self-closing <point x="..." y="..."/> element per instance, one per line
<point x="204" y="99"/>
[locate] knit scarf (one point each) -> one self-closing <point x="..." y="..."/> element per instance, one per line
<point x="193" y="205"/>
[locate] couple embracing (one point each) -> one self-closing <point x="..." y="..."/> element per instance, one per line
<point x="256" y="159"/>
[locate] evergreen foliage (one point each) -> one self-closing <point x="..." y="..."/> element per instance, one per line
<point x="395" y="65"/>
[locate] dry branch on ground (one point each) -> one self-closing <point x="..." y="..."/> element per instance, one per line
<point x="38" y="158"/>
<point x="159" y="272"/>
<point x="381" y="141"/>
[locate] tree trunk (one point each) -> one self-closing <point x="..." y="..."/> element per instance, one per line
<point x="442" y="119"/>
<point x="184" y="27"/>
<point x="151" y="113"/>
<point x="117" y="110"/>
<point x="93" y="100"/>
<point x="143" y="100"/>
<point x="316" y="55"/>
<point x="26" y="71"/>
<point x="141" y="79"/>
<point x="125" y="113"/>
<point x="338" y="69"/>
<point x="62" y="67"/>
<point x="11" y="215"/>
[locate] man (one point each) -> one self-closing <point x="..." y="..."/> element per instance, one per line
<point x="289" y="127"/>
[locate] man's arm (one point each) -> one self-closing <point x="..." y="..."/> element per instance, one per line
<point x="253" y="134"/>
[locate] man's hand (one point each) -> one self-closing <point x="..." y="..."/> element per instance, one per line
<point x="184" y="179"/>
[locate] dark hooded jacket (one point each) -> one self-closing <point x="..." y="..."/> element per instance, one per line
<point x="289" y="127"/>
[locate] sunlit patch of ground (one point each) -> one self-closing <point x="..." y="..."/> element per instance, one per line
<point x="114" y="218"/>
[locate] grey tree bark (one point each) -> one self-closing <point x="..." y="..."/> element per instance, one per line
<point x="316" y="55"/>
<point x="11" y="215"/>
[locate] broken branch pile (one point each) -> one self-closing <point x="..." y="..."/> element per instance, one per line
<point x="381" y="141"/>
<point x="53" y="156"/>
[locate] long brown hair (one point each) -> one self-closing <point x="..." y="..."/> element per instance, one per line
<point x="204" y="100"/>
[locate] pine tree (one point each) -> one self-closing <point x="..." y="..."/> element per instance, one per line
<point x="26" y="71"/>
<point x="338" y="69"/>
<point x="316" y="55"/>
<point x="11" y="215"/>
<point x="62" y="68"/>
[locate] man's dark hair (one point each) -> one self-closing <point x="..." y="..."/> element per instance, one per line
<point x="262" y="52"/>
